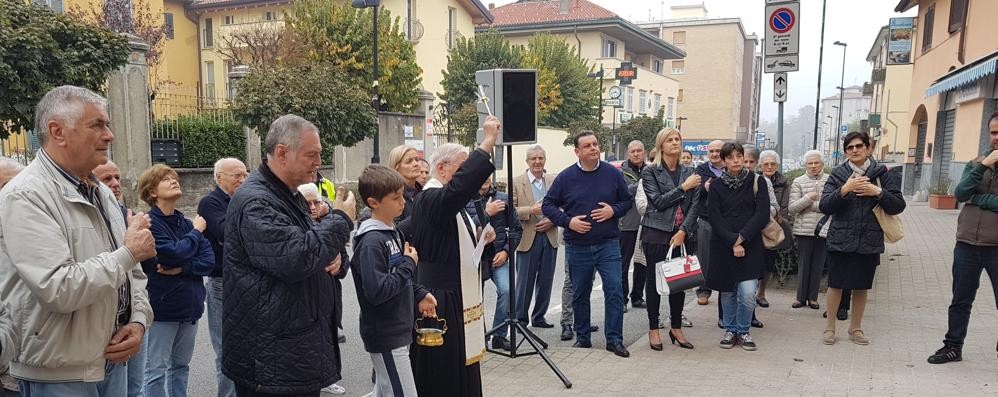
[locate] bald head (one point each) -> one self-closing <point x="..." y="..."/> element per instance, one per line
<point x="9" y="168"/>
<point x="714" y="153"/>
<point x="109" y="174"/>
<point x="230" y="173"/>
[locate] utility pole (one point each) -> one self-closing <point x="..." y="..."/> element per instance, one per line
<point x="821" y="55"/>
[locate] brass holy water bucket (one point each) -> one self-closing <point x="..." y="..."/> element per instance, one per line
<point x="430" y="335"/>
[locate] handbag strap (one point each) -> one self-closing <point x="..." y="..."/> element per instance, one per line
<point x="820" y="225"/>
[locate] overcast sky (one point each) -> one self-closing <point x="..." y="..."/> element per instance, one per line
<point x="855" y="22"/>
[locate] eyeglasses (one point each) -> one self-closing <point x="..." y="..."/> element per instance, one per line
<point x="855" y="147"/>
<point x="238" y="175"/>
<point x="714" y="151"/>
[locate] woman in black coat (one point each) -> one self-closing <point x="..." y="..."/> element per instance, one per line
<point x="738" y="205"/>
<point x="855" y="239"/>
<point x="669" y="188"/>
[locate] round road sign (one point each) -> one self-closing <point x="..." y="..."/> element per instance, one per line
<point x="782" y="20"/>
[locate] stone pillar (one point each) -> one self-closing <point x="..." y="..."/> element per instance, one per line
<point x="128" y="106"/>
<point x="426" y="99"/>
<point x="253" y="156"/>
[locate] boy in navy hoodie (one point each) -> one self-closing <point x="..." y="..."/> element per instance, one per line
<point x="384" y="272"/>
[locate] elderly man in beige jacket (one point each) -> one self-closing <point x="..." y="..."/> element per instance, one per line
<point x="68" y="265"/>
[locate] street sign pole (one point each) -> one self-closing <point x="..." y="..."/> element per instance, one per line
<point x="779" y="132"/>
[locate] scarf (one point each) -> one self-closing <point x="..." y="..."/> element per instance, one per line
<point x="735" y="182"/>
<point x="859" y="170"/>
<point x="471" y="286"/>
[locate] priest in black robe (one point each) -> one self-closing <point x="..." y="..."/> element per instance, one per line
<point x="443" y="234"/>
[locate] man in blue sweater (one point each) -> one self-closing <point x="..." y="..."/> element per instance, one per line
<point x="586" y="199"/>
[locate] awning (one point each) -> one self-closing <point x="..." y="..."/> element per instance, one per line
<point x="964" y="76"/>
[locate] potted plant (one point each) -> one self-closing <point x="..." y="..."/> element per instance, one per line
<point x="940" y="197"/>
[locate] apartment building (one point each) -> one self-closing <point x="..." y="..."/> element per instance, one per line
<point x="720" y="77"/>
<point x="605" y="41"/>
<point x="953" y="88"/>
<point x="855" y="104"/>
<point x="891" y="91"/>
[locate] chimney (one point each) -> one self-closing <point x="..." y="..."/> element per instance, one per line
<point x="492" y="6"/>
<point x="564" y="6"/>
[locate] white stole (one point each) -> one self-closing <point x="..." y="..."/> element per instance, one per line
<point x="471" y="287"/>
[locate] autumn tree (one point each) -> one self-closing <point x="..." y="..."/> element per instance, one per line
<point x="262" y="45"/>
<point x="122" y="16"/>
<point x="572" y="95"/>
<point x="40" y="49"/>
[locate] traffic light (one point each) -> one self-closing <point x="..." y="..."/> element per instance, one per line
<point x="510" y="95"/>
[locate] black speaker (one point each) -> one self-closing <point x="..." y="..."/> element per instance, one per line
<point x="510" y="95"/>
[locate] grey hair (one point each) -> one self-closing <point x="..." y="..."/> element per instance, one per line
<point x="309" y="191"/>
<point x="769" y="153"/>
<point x="65" y="104"/>
<point x="536" y="148"/>
<point x="287" y="130"/>
<point x="221" y="162"/>
<point x="446" y="153"/>
<point x="635" y="143"/>
<point x="814" y="153"/>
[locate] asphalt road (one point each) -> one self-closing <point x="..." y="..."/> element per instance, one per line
<point x="357" y="365"/>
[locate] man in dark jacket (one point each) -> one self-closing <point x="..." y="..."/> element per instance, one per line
<point x="230" y="173"/>
<point x="279" y="337"/>
<point x="629" y="225"/>
<point x="976" y="245"/>
<point x="490" y="208"/>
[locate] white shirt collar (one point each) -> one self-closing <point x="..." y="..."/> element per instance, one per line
<point x="579" y="164"/>
<point x="533" y="179"/>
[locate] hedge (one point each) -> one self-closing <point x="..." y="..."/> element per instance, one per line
<point x="205" y="139"/>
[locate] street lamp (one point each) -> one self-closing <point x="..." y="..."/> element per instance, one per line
<point x="841" y="92"/>
<point x="679" y="125"/>
<point x="599" y="97"/>
<point x="376" y="99"/>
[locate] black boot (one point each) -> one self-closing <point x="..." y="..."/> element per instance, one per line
<point x="567" y="333"/>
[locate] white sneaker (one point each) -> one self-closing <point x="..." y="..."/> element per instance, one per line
<point x="334" y="389"/>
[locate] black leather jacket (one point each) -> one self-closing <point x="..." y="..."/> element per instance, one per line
<point x="664" y="197"/>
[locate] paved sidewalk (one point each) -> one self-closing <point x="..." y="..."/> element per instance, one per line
<point x="905" y="318"/>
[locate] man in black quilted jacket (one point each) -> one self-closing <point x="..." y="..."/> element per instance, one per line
<point x="279" y="337"/>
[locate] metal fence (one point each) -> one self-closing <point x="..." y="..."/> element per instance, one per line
<point x="20" y="147"/>
<point x="166" y="108"/>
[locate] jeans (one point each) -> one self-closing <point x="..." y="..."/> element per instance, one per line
<point x="500" y="276"/>
<point x="627" y="245"/>
<point x="738" y="307"/>
<point x="703" y="252"/>
<point x="214" y="287"/>
<point x="811" y="258"/>
<point x="604" y="258"/>
<point x="135" y="370"/>
<point x="169" y="347"/>
<point x="113" y="385"/>
<point x="656" y="253"/>
<point x="968" y="263"/>
<point x="535" y="268"/>
<point x="567" y="314"/>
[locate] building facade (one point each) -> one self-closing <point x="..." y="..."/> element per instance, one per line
<point x="719" y="78"/>
<point x="888" y="119"/>
<point x="604" y="40"/>
<point x="953" y="89"/>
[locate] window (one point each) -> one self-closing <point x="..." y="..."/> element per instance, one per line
<point x="957" y="12"/>
<point x="678" y="67"/>
<point x="410" y="9"/>
<point x="209" y="41"/>
<point x="642" y="101"/>
<point x="228" y="20"/>
<point x="680" y="97"/>
<point x="679" y="37"/>
<point x="609" y="48"/>
<point x="55" y="5"/>
<point x="658" y="103"/>
<point x="630" y="99"/>
<point x="656" y="66"/>
<point x="451" y="27"/>
<point x="930" y="19"/>
<point x="209" y="80"/>
<point x="268" y="16"/>
<point x="670" y="110"/>
<point x="168" y="25"/>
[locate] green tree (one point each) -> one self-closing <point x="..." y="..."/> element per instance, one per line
<point x="340" y="35"/>
<point x="40" y="50"/>
<point x="319" y="93"/>
<point x="488" y="50"/>
<point x="642" y="129"/>
<point x="577" y="94"/>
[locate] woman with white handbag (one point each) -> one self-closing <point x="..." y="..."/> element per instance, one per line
<point x="669" y="188"/>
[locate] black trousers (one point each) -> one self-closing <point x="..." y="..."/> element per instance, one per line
<point x="655" y="253"/>
<point x="243" y="391"/>
<point x="627" y="240"/>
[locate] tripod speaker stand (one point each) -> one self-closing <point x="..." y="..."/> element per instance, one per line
<point x="512" y="322"/>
